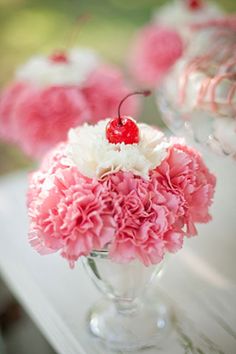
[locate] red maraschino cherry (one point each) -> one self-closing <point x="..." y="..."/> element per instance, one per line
<point x="59" y="57"/>
<point x="124" y="129"/>
<point x="194" y="5"/>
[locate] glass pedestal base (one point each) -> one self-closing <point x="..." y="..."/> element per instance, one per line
<point x="141" y="326"/>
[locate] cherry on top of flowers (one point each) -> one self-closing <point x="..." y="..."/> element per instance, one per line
<point x="194" y="5"/>
<point x="59" y="57"/>
<point x="123" y="129"/>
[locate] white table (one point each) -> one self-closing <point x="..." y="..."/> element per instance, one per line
<point x="199" y="282"/>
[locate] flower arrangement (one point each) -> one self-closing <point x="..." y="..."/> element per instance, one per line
<point x="159" y="44"/>
<point x="120" y="186"/>
<point x="49" y="95"/>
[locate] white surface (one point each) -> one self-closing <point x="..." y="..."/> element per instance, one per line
<point x="199" y="282"/>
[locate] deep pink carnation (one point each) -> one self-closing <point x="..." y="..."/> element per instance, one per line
<point x="155" y="50"/>
<point x="130" y="216"/>
<point x="103" y="90"/>
<point x="183" y="172"/>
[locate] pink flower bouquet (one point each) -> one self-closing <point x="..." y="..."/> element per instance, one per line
<point x="49" y="95"/>
<point x="159" y="44"/>
<point x="136" y="200"/>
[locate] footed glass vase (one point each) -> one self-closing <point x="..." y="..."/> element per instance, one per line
<point x="124" y="319"/>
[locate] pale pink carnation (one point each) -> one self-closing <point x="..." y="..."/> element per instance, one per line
<point x="155" y="50"/>
<point x="185" y="173"/>
<point x="103" y="90"/>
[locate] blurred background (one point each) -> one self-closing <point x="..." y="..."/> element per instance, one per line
<point x="41" y="26"/>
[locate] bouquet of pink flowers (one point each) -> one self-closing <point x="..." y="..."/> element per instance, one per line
<point x="159" y="44"/>
<point x="120" y="186"/>
<point x="49" y="95"/>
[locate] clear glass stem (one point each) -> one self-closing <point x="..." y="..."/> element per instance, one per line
<point x="127" y="307"/>
<point x="124" y="319"/>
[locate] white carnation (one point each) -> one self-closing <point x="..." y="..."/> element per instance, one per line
<point x="94" y="156"/>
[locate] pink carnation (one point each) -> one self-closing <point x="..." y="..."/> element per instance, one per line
<point x="141" y="224"/>
<point x="104" y="90"/>
<point x="68" y="213"/>
<point x="51" y="163"/>
<point x="42" y="117"/>
<point x="155" y="50"/>
<point x="53" y="159"/>
<point x="174" y="240"/>
<point x="185" y="173"/>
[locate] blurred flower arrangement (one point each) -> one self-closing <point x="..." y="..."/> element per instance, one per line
<point x="52" y="94"/>
<point x="198" y="97"/>
<point x="161" y="43"/>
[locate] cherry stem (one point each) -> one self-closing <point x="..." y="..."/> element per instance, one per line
<point x="197" y="3"/>
<point x="145" y="93"/>
<point x="80" y="21"/>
